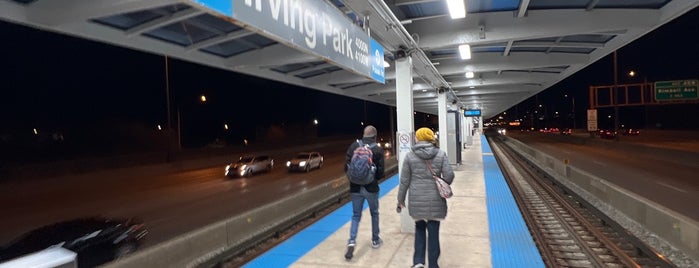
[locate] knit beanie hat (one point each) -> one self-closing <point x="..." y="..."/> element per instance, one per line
<point x="369" y="131"/>
<point x="424" y="134"/>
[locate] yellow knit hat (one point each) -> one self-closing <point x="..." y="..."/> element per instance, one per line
<point x="424" y="134"/>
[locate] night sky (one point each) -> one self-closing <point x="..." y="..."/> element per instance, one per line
<point x="103" y="96"/>
<point x="670" y="52"/>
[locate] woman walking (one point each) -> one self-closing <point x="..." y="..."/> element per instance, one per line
<point x="425" y="204"/>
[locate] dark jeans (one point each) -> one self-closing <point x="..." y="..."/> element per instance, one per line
<point x="432" y="237"/>
<point x="358" y="206"/>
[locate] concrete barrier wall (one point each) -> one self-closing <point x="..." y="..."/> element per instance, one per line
<point x="651" y="219"/>
<point x="221" y="240"/>
<point x="200" y="246"/>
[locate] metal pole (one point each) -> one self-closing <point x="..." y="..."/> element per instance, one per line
<point x="179" y="130"/>
<point x="167" y="94"/>
<point x="615" y="101"/>
<point x="573" y="111"/>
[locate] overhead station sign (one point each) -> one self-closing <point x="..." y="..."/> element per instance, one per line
<point x="676" y="90"/>
<point x="316" y="27"/>
<point x="472" y="113"/>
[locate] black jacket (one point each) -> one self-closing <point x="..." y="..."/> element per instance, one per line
<point x="377" y="158"/>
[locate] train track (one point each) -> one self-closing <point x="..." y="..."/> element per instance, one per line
<point x="568" y="231"/>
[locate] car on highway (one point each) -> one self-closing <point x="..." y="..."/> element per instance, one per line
<point x="607" y="134"/>
<point x="95" y="240"/>
<point x="630" y="132"/>
<point x="305" y="161"/>
<point x="249" y="165"/>
<point x="385" y="143"/>
<point x="566" y="131"/>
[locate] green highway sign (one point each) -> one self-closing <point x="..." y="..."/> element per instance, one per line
<point x="676" y="90"/>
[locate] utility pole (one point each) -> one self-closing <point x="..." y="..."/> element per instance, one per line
<point x="615" y="99"/>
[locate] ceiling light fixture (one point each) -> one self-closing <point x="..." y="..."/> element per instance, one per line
<point x="469" y="75"/>
<point x="457" y="9"/>
<point x="465" y="51"/>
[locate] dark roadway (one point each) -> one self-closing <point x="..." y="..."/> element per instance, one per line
<point x="660" y="168"/>
<point x="170" y="203"/>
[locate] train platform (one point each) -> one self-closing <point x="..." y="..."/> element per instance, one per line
<point x="483" y="228"/>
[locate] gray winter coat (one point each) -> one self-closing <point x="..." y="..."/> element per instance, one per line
<point x="424" y="201"/>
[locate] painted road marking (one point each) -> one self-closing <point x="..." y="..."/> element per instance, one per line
<point x="672" y="187"/>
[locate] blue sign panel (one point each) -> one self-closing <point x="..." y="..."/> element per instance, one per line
<point x="469" y="113"/>
<point x="377" y="68"/>
<point x="315" y="27"/>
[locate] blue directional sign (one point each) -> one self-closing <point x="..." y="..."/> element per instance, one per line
<point x="472" y="112"/>
<point x="315" y="27"/>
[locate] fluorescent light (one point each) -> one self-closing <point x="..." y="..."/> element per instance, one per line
<point x="457" y="9"/>
<point x="465" y="51"/>
<point x="469" y="74"/>
<point x="386" y="64"/>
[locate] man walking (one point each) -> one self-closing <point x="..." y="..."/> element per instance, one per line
<point x="368" y="192"/>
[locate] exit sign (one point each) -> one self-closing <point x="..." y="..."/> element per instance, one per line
<point x="676" y="90"/>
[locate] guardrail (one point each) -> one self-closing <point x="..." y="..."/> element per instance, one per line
<point x="222" y="240"/>
<point x="654" y="224"/>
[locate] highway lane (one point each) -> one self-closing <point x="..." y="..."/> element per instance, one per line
<point x="170" y="203"/>
<point x="657" y="175"/>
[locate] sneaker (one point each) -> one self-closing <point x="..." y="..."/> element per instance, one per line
<point x="419" y="265"/>
<point x="350" y="252"/>
<point x="377" y="243"/>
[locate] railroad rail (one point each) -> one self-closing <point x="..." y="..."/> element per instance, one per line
<point x="567" y="230"/>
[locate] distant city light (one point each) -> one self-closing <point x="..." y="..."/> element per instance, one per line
<point x="225" y="126"/>
<point x="315" y="121"/>
<point x="160" y="128"/>
<point x="632" y="73"/>
<point x="36" y="132"/>
<point x="361" y="123"/>
<point x="202" y="98"/>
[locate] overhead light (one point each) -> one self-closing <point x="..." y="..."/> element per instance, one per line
<point x="457" y="9"/>
<point x="386" y="64"/>
<point x="465" y="51"/>
<point x="469" y="74"/>
<point x="471" y="87"/>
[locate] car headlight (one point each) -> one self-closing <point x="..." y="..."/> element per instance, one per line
<point x="243" y="167"/>
<point x="228" y="167"/>
<point x="288" y="163"/>
<point x="302" y="164"/>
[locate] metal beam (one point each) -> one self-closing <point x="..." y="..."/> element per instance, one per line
<point x="163" y="21"/>
<point x="440" y="33"/>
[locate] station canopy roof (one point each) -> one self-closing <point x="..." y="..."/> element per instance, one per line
<point x="518" y="47"/>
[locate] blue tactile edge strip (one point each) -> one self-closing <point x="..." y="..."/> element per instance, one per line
<point x="511" y="244"/>
<point x="289" y="251"/>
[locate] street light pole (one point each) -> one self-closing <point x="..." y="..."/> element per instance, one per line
<point x="615" y="99"/>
